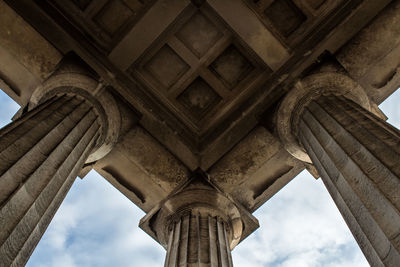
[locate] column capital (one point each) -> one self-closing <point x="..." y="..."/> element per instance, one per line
<point x="306" y="90"/>
<point x="198" y="195"/>
<point x="73" y="78"/>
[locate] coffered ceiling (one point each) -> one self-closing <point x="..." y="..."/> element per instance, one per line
<point x="202" y="74"/>
<point x="199" y="70"/>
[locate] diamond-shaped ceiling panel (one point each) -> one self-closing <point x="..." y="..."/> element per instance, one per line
<point x="198" y="98"/>
<point x="231" y="67"/>
<point x="166" y="66"/>
<point x="199" y="34"/>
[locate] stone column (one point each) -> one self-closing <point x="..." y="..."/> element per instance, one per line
<point x="357" y="155"/>
<point x="198" y="224"/>
<point x="40" y="156"/>
<point x="197" y="239"/>
<point x="70" y="121"/>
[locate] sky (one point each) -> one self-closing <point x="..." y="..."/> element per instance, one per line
<point x="98" y="226"/>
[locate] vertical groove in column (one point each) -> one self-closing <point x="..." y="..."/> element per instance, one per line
<point x="15" y="149"/>
<point x="42" y="164"/>
<point x="206" y="243"/>
<point x="222" y="245"/>
<point x="373" y="133"/>
<point x="26" y="193"/>
<point x="198" y="237"/>
<point x="21" y="126"/>
<point x="364" y="219"/>
<point x="22" y="167"/>
<point x="212" y="229"/>
<point x="347" y="212"/>
<point x="169" y="248"/>
<point x="47" y="194"/>
<point x="175" y="244"/>
<point x="34" y="237"/>
<point x="192" y="248"/>
<point x="183" y="243"/>
<point x="24" y="223"/>
<point x="380" y="208"/>
<point x="384" y="213"/>
<point x="333" y="149"/>
<point x="228" y="250"/>
<point x="387" y="182"/>
<point x="374" y="124"/>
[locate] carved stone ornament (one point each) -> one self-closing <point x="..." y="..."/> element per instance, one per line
<point x="79" y="82"/>
<point x="199" y="195"/>
<point x="306" y="90"/>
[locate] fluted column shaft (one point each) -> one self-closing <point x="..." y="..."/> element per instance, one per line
<point x="198" y="240"/>
<point x="357" y="155"/>
<point x="40" y="157"/>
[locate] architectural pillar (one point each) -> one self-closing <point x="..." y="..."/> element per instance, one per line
<point x="357" y="155"/>
<point x="198" y="240"/>
<point x="198" y="224"/>
<point x="41" y="153"/>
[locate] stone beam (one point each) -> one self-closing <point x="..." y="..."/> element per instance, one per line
<point x="141" y="168"/>
<point x="26" y="57"/>
<point x="372" y="57"/>
<point x="255" y="169"/>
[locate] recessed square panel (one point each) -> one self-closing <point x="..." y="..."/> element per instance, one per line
<point x="285" y="16"/>
<point x="166" y="66"/>
<point x="199" y="34"/>
<point x="231" y="66"/>
<point x="113" y="15"/>
<point x="198" y="98"/>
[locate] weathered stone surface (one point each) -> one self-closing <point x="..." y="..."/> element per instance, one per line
<point x="373" y="56"/>
<point x="304" y="91"/>
<point x="73" y="77"/>
<point x="32" y="53"/>
<point x="198" y="224"/>
<point x="141" y="168"/>
<point x="198" y="239"/>
<point x="27" y="46"/>
<point x="44" y="151"/>
<point x="357" y="155"/>
<point x="17" y="87"/>
<point x="255" y="169"/>
<point x="373" y="42"/>
<point x="245" y="159"/>
<point x="160" y="165"/>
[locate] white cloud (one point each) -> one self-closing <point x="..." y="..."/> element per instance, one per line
<point x="300" y="226"/>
